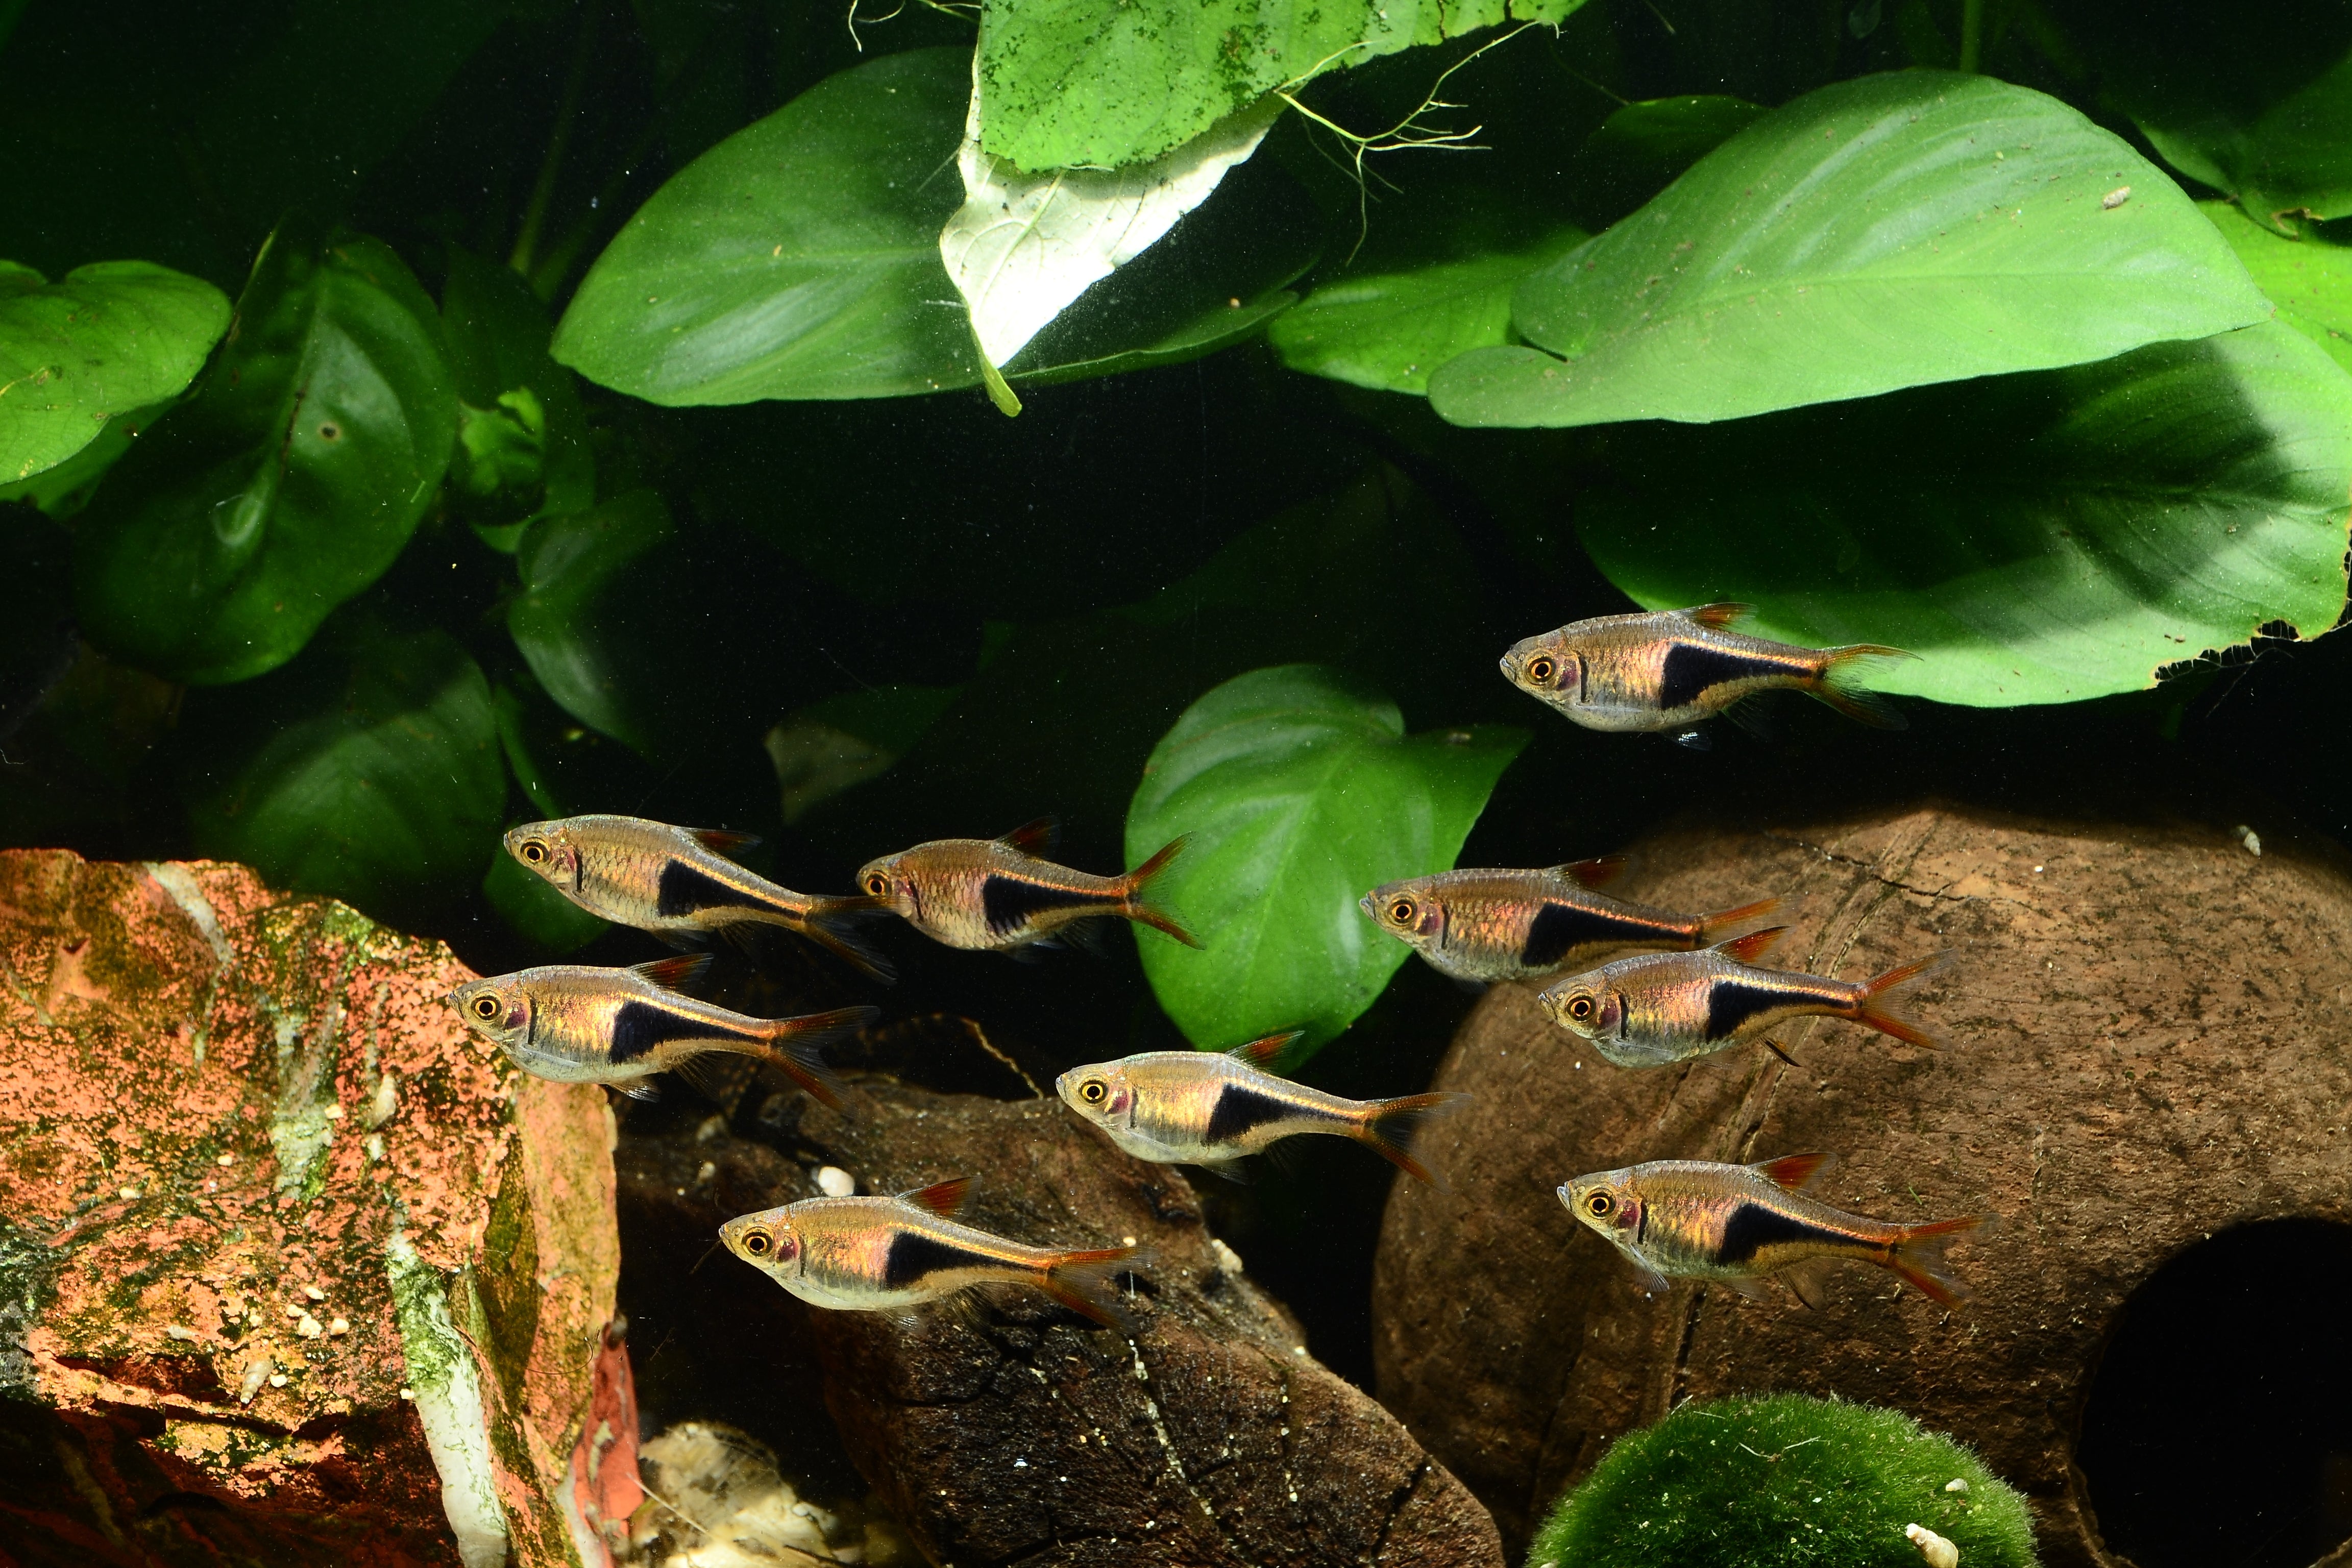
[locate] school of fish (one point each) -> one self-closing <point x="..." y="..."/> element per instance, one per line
<point x="1644" y="987"/>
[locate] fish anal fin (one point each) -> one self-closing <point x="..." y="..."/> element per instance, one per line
<point x="1598" y="872"/>
<point x="1809" y="1283"/>
<point x="1037" y="837"/>
<point x="1794" y="1173"/>
<point x="944" y="1199"/>
<point x="1235" y="1170"/>
<point x="725" y="840"/>
<point x="673" y="974"/>
<point x="637" y="1089"/>
<point x="1718" y="615"/>
<point x="1754" y="945"/>
<point x="1265" y="1052"/>
<point x="1747" y="1286"/>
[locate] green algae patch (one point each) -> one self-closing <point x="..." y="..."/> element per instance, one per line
<point x="1784" y="1482"/>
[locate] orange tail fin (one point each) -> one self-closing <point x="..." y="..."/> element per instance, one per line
<point x="1839" y="684"/>
<point x="1134" y="882"/>
<point x="1712" y="927"/>
<point x="1917" y="1256"/>
<point x="1883" y="1000"/>
<point x="792" y="1045"/>
<point x="1082" y="1282"/>
<point x="1396" y="1126"/>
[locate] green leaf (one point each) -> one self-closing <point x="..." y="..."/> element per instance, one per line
<point x="582" y="574"/>
<point x="526" y="901"/>
<point x="1389" y="331"/>
<point x="522" y="432"/>
<point x="66" y="490"/>
<point x="288" y="484"/>
<point x="1644" y="147"/>
<point x="798" y="259"/>
<point x="2040" y="538"/>
<point x="1301" y="791"/>
<point x="369" y="771"/>
<point x="2309" y="280"/>
<point x="1888" y="232"/>
<point x="842" y="741"/>
<point x="110" y="338"/>
<point x="1110" y="82"/>
<point x="2253" y="100"/>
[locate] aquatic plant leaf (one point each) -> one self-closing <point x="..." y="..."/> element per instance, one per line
<point x="497" y="334"/>
<point x="2039" y="538"/>
<point x="102" y="341"/>
<point x="1300" y="790"/>
<point x="1105" y="83"/>
<point x="798" y="259"/>
<point x="1023" y="246"/>
<point x="2254" y="101"/>
<point x="288" y="483"/>
<point x="1892" y="231"/>
<point x="1388" y="331"/>
<point x="1644" y="147"/>
<point x="2309" y="279"/>
<point x="369" y="769"/>
<point x="579" y="574"/>
<point x="1742" y="1481"/>
<point x="526" y="901"/>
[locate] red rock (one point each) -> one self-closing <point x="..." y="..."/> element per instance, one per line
<point x="258" y="1187"/>
<point x="2147" y="1042"/>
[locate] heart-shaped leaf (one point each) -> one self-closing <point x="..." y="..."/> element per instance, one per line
<point x="798" y="259"/>
<point x="2308" y="279"/>
<point x="369" y="770"/>
<point x="1887" y="232"/>
<point x="1301" y="791"/>
<point x="2037" y="538"/>
<point x="288" y="484"/>
<point x="1104" y="83"/>
<point x="1644" y="147"/>
<point x="106" y="339"/>
<point x="523" y="431"/>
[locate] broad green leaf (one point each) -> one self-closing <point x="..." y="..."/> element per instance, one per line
<point x="63" y="491"/>
<point x="1104" y="83"/>
<point x="1389" y="331"/>
<point x="842" y="741"/>
<point x="107" y="339"/>
<point x="583" y="575"/>
<point x="2253" y="100"/>
<point x="1023" y="246"/>
<point x="2037" y="538"/>
<point x="1892" y="231"/>
<point x="291" y="481"/>
<point x="2309" y="280"/>
<point x="1644" y="147"/>
<point x="798" y="259"/>
<point x="524" y="435"/>
<point x="1301" y="792"/>
<point x="526" y="901"/>
<point x="1218" y="326"/>
<point x="369" y="771"/>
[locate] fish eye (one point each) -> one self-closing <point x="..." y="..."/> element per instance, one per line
<point x="877" y="884"/>
<point x="1541" y="669"/>
<point x="757" y="1243"/>
<point x="486" y="1007"/>
<point x="1579" y="1007"/>
<point x="534" y="851"/>
<point x="1401" y="911"/>
<point x="1094" y="1091"/>
<point x="1599" y="1204"/>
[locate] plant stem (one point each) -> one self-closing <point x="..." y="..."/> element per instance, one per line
<point x="567" y="111"/>
<point x="1971" y="33"/>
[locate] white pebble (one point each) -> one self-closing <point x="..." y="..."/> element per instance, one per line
<point x="1956" y="1485"/>
<point x="277" y="1380"/>
<point x="1939" y="1552"/>
<point x="130" y="1191"/>
<point x="334" y="1113"/>
<point x="225" y="1160"/>
<point x="384" y="1104"/>
<point x="174" y="1331"/>
<point x="308" y="1327"/>
<point x="314" y="1292"/>
<point x="707" y="1171"/>
<point x="834" y="1182"/>
<point x="339" y="1326"/>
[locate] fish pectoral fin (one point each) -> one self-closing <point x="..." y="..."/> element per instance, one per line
<point x="1652" y="1282"/>
<point x="1753" y="1288"/>
<point x="1809" y="1283"/>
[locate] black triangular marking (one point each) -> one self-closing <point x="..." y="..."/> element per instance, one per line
<point x="1693" y="669"/>
<point x="1242" y="1110"/>
<point x="686" y="891"/>
<point x="914" y="1257"/>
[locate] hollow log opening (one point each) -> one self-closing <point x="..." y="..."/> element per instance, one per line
<point x="2218" y="1426"/>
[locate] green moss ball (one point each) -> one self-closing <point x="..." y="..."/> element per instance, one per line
<point x="1784" y="1482"/>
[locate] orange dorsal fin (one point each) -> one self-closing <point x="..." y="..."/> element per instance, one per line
<point x="1597" y="872"/>
<point x="942" y="1198"/>
<point x="1754" y="945"/>
<point x="1036" y="837"/>
<point x="1267" y="1051"/>
<point x="725" y="840"/>
<point x="1794" y="1173"/>
<point x="673" y="974"/>
<point x="1718" y="615"/>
